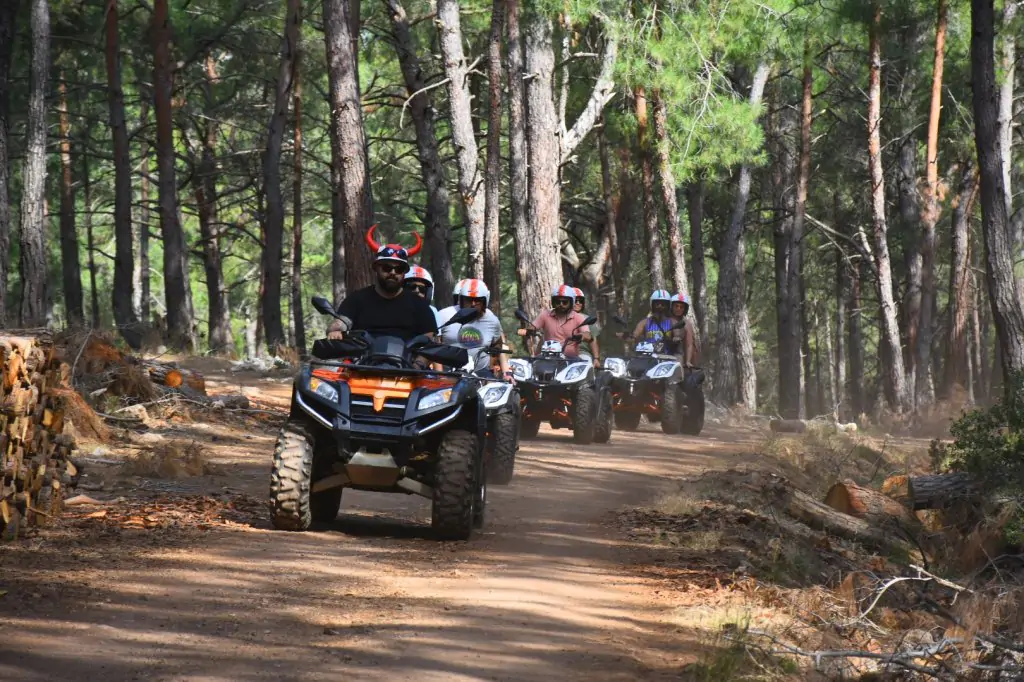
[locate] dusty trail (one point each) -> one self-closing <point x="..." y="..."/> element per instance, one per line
<point x="545" y="592"/>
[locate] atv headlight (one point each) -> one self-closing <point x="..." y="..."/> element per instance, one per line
<point x="617" y="366"/>
<point x="495" y="395"/>
<point x="435" y="399"/>
<point x="323" y="389"/>
<point x="573" y="372"/>
<point x="521" y="370"/>
<point x="662" y="370"/>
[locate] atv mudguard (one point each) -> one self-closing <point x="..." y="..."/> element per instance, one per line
<point x="693" y="380"/>
<point x="603" y="384"/>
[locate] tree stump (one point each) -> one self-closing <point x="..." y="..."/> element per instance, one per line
<point x="35" y="454"/>
<point x="870" y="505"/>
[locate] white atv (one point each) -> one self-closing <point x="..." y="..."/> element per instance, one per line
<point x="500" y="400"/>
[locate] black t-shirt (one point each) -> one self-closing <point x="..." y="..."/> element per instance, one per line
<point x="405" y="316"/>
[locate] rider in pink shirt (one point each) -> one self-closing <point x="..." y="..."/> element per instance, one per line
<point x="562" y="321"/>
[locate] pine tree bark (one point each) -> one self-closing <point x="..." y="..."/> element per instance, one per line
<point x="470" y="183"/>
<point x="667" y="182"/>
<point x="421" y="110"/>
<point x="1007" y="69"/>
<point x="787" y="290"/>
<point x="1004" y="292"/>
<point x="298" y="318"/>
<point x="70" y="267"/>
<point x="841" y="396"/>
<point x="956" y="370"/>
<point x="348" y="150"/>
<point x="540" y="262"/>
<point x="736" y="380"/>
<point x="894" y="374"/>
<point x="609" y="247"/>
<point x="492" y="192"/>
<point x="656" y="270"/>
<point x="795" y="266"/>
<point x="925" y="386"/>
<point x="273" y="245"/>
<point x="124" y="270"/>
<point x="856" y="352"/>
<point x="221" y="340"/>
<point x="89" y="240"/>
<point x="699" y="294"/>
<point x="145" y="295"/>
<point x="909" y="216"/>
<point x="180" y="325"/>
<point x="518" y="153"/>
<point x="8" y="12"/>
<point x="33" y="265"/>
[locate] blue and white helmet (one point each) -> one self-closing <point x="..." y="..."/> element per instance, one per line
<point x="564" y="291"/>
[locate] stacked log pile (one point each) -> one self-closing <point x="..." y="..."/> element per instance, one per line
<point x="35" y="455"/>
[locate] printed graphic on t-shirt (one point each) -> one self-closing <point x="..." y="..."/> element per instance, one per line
<point x="470" y="336"/>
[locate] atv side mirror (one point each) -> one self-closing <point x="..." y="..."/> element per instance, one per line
<point x="589" y="321"/>
<point x="324" y="306"/>
<point x="618" y="319"/>
<point x="522" y="316"/>
<point x="461" y="316"/>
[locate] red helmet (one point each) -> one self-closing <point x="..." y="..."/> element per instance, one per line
<point x="394" y="253"/>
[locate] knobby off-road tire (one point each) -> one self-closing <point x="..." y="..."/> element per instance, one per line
<point x="584" y="415"/>
<point x="506" y="437"/>
<point x="290" y="479"/>
<point x="296" y="465"/>
<point x="324" y="505"/>
<point x="605" y="418"/>
<point x="455" y="486"/>
<point x="693" y="421"/>
<point x="627" y="421"/>
<point x="672" y="409"/>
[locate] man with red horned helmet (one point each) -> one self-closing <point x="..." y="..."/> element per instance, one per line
<point x="385" y="307"/>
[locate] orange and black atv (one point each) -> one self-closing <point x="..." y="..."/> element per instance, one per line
<point x="365" y="416"/>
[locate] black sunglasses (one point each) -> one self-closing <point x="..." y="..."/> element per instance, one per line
<point x="563" y="301"/>
<point x="416" y="287"/>
<point x="387" y="268"/>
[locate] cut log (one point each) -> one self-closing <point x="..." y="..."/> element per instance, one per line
<point x="872" y="506"/>
<point x="166" y="375"/>
<point x="818" y="515"/>
<point x="897" y="487"/>
<point x="35" y="467"/>
<point x="788" y="426"/>
<point x="936" y="491"/>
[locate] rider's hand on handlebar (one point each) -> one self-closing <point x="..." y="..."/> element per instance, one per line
<point x="335" y="331"/>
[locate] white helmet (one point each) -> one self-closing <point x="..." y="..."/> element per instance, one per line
<point x="458" y="290"/>
<point x="475" y="288"/>
<point x="564" y="291"/>
<point x="421" y="274"/>
<point x="662" y="296"/>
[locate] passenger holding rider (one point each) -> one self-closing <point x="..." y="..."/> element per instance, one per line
<point x="562" y="322"/>
<point x="482" y="331"/>
<point x="680" y="313"/>
<point x="446" y="313"/>
<point x="580" y="306"/>
<point x="384" y="307"/>
<point x="656" y="328"/>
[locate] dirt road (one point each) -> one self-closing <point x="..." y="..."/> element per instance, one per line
<point x="545" y="592"/>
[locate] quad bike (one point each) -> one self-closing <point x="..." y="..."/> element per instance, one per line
<point x="653" y="383"/>
<point x="366" y="416"/>
<point x="501" y="403"/>
<point x="567" y="392"/>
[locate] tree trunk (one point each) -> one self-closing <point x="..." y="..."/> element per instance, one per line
<point x="1007" y="68"/>
<point x="70" y="268"/>
<point x="939" y="490"/>
<point x="667" y="181"/>
<point x="925" y="386"/>
<point x="492" y="195"/>
<point x="8" y="12"/>
<point x="33" y="265"/>
<point x="870" y="505"/>
<point x="699" y="294"/>
<point x="348" y="150"/>
<point x="518" y="154"/>
<point x="273" y="245"/>
<point x="736" y="380"/>
<point x="960" y="283"/>
<point x="90" y="243"/>
<point x="436" y="227"/>
<point x="122" y="292"/>
<point x="610" y="237"/>
<point x="856" y="378"/>
<point x="205" y="183"/>
<point x="651" y="229"/>
<point x="795" y="269"/>
<point x="540" y="260"/>
<point x="894" y="375"/>
<point x="1004" y="293"/>
<point x="821" y="516"/>
<point x="470" y="184"/>
<point x="145" y="297"/>
<point x="298" y="319"/>
<point x="180" y="325"/>
<point x="909" y="205"/>
<point x="839" y="359"/>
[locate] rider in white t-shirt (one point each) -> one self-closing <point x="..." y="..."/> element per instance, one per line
<point x="480" y="333"/>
